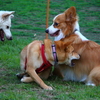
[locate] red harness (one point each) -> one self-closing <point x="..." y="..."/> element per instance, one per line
<point x="46" y="64"/>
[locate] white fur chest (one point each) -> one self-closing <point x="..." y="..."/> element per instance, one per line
<point x="69" y="75"/>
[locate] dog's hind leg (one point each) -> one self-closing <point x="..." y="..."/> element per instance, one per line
<point x="22" y="63"/>
<point x="27" y="79"/>
<point x="94" y="77"/>
<point x="36" y="78"/>
<point x="21" y="75"/>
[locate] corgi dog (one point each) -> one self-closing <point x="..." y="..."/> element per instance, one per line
<point x="65" y="55"/>
<point x="64" y="24"/>
<point x="87" y="69"/>
<point x="5" y="24"/>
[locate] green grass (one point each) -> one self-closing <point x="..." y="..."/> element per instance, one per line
<point x="28" y="25"/>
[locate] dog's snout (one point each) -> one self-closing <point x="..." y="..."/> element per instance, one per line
<point x="10" y="38"/>
<point x="47" y="31"/>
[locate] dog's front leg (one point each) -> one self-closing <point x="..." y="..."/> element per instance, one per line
<point x="36" y="78"/>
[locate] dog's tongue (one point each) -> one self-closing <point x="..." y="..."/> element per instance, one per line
<point x="55" y="34"/>
<point x="2" y="35"/>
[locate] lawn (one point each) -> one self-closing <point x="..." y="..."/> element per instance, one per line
<point x="28" y="25"/>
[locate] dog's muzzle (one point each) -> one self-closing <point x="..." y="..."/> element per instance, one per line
<point x="53" y="34"/>
<point x="10" y="38"/>
<point x="47" y="31"/>
<point x="2" y="34"/>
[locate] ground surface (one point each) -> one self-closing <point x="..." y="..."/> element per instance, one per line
<point x="28" y="25"/>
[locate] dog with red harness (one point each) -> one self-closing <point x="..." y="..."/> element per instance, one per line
<point x="37" y="59"/>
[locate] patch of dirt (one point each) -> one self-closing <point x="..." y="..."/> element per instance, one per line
<point x="93" y="8"/>
<point x="2" y="70"/>
<point x="93" y="18"/>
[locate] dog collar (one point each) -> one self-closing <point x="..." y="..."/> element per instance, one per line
<point x="75" y="30"/>
<point x="54" y="54"/>
<point x="46" y="64"/>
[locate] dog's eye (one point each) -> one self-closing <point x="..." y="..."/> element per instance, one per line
<point x="55" y="24"/>
<point x="7" y="27"/>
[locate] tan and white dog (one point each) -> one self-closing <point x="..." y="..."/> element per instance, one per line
<point x="5" y="24"/>
<point x="65" y="54"/>
<point x="87" y="69"/>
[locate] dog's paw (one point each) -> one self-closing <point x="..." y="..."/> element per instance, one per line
<point x="27" y="79"/>
<point x="90" y="84"/>
<point x="19" y="75"/>
<point x="48" y="88"/>
<point x="23" y="79"/>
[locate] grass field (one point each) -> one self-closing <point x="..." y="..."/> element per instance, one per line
<point x="28" y="25"/>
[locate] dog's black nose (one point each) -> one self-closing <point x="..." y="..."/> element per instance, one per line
<point x="10" y="38"/>
<point x="47" y="31"/>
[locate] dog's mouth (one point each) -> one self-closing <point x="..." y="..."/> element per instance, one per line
<point x="55" y="34"/>
<point x="72" y="64"/>
<point x="2" y="35"/>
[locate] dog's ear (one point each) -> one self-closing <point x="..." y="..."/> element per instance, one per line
<point x="6" y="15"/>
<point x="70" y="14"/>
<point x="59" y="45"/>
<point x="12" y="14"/>
<point x="64" y="47"/>
<point x="68" y="47"/>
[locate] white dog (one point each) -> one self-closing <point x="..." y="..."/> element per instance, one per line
<point x="5" y="24"/>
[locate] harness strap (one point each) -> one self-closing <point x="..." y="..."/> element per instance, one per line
<point x="46" y="64"/>
<point x="25" y="63"/>
<point x="75" y="30"/>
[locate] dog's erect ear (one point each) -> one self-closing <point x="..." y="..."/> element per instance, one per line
<point x="12" y="14"/>
<point x="70" y="14"/>
<point x="6" y="15"/>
